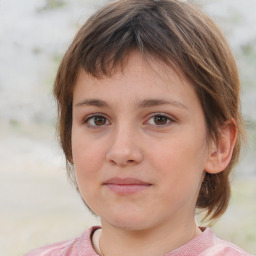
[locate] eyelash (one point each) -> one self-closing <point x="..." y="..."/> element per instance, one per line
<point x="169" y="119"/>
<point x="91" y="117"/>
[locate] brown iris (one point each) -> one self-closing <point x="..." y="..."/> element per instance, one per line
<point x="160" y="120"/>
<point x="99" y="120"/>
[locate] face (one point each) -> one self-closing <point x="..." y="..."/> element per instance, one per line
<point x="139" y="144"/>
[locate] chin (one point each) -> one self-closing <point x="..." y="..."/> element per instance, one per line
<point x="128" y="221"/>
<point x="133" y="226"/>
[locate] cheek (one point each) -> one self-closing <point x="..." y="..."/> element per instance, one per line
<point x="179" y="171"/>
<point x="180" y="159"/>
<point x="87" y="159"/>
<point x="86" y="167"/>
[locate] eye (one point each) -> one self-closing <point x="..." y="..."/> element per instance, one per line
<point x="160" y="120"/>
<point x="96" y="120"/>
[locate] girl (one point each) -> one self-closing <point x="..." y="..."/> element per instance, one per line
<point x="149" y="122"/>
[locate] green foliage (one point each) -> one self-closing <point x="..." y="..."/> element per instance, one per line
<point x="249" y="51"/>
<point x="52" y="4"/>
<point x="238" y="223"/>
<point x="36" y="50"/>
<point x="15" y="124"/>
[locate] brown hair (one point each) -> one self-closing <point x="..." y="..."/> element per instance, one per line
<point x="173" y="32"/>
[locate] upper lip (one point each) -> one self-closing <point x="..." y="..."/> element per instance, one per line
<point x="126" y="181"/>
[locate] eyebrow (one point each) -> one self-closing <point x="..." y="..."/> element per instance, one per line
<point x="144" y="104"/>
<point x="158" y="102"/>
<point x="92" y="102"/>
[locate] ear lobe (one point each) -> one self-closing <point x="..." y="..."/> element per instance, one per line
<point x="220" y="152"/>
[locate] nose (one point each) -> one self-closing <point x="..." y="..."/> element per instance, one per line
<point x="124" y="148"/>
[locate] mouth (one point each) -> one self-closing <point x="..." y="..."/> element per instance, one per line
<point x="125" y="186"/>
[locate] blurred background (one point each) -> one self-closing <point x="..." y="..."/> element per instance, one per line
<point x="38" y="206"/>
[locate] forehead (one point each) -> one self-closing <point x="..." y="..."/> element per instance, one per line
<point x="138" y="80"/>
<point x="141" y="67"/>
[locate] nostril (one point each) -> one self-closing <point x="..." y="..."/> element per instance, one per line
<point x="124" y="156"/>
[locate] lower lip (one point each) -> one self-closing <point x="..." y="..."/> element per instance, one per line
<point x="125" y="189"/>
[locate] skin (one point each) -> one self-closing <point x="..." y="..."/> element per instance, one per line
<point x="162" y="144"/>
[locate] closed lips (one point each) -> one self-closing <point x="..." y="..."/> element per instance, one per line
<point x="125" y="186"/>
<point x="126" y="181"/>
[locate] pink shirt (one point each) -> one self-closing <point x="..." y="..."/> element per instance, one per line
<point x="205" y="244"/>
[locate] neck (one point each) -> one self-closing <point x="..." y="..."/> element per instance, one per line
<point x="158" y="241"/>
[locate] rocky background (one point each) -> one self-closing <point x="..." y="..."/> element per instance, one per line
<point x="37" y="204"/>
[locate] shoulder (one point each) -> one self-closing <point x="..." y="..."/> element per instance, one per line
<point x="224" y="249"/>
<point x="54" y="249"/>
<point x="218" y="247"/>
<point x="73" y="247"/>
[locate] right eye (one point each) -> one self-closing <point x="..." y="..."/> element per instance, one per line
<point x="96" y="121"/>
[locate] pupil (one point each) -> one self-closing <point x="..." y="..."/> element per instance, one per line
<point x="100" y="120"/>
<point x="160" y="119"/>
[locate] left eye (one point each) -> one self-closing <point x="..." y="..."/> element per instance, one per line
<point x="159" y="120"/>
<point x="96" y="120"/>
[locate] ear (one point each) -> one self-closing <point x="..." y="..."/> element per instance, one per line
<point x="220" y="151"/>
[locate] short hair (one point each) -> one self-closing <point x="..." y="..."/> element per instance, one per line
<point x="176" y="33"/>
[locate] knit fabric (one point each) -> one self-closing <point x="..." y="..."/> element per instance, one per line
<point x="205" y="244"/>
